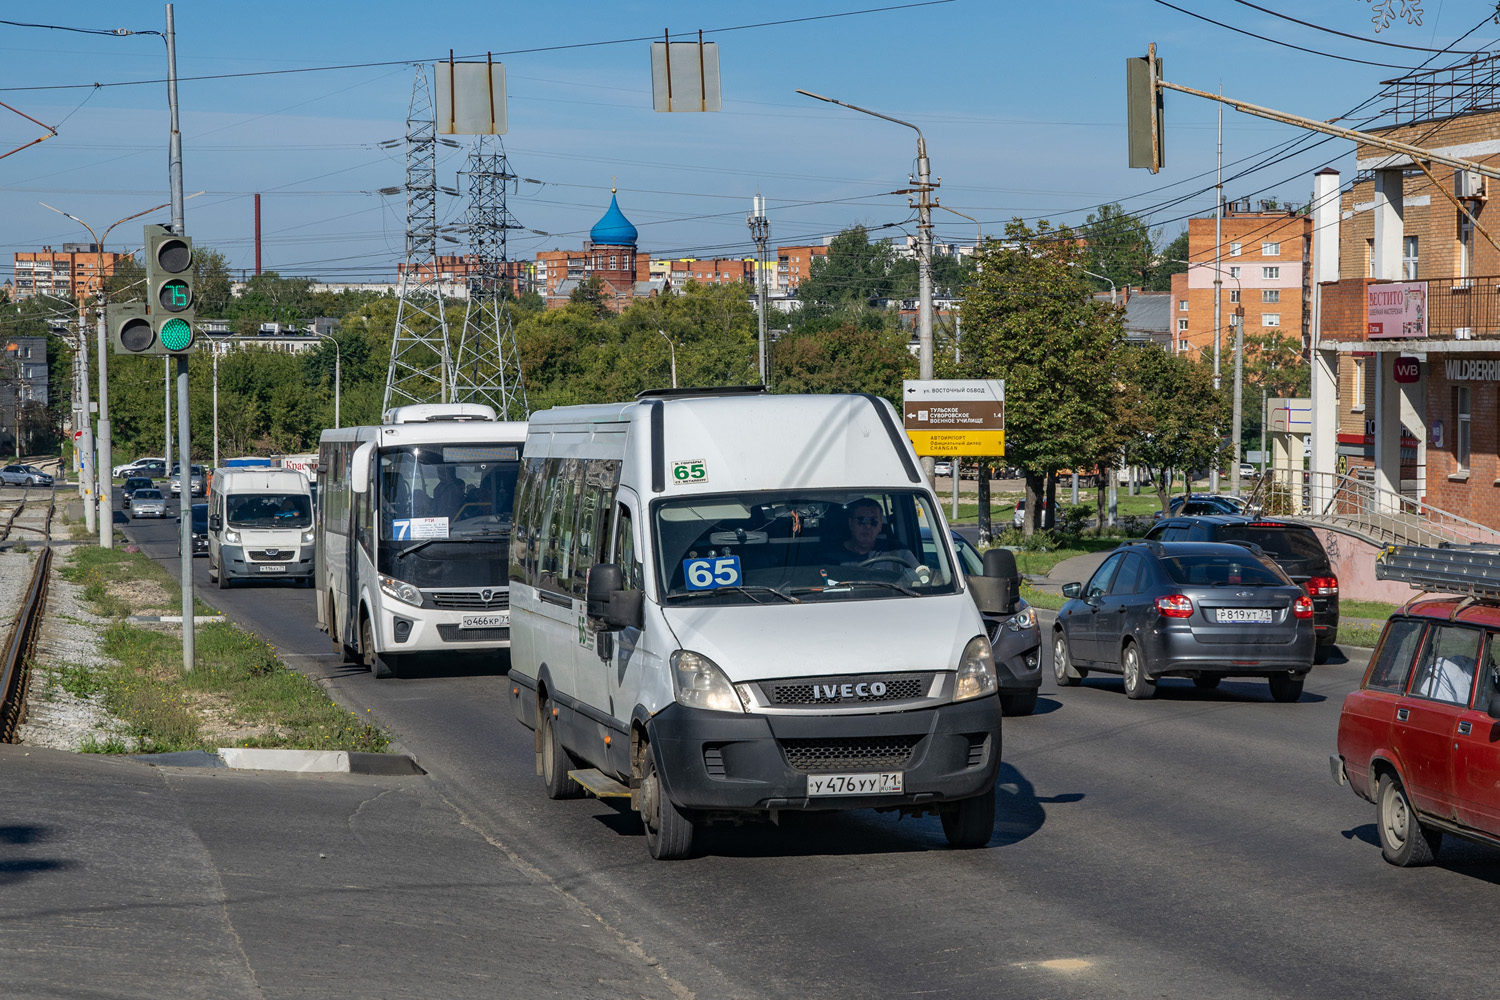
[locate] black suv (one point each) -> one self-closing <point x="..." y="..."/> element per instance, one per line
<point x="1294" y="547"/>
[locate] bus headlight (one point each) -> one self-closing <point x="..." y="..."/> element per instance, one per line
<point x="701" y="684"/>
<point x="400" y="590"/>
<point x="975" y="676"/>
<point x="231" y="537"/>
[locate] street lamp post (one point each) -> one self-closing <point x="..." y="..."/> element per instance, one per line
<point x="338" y="375"/>
<point x="923" y="190"/>
<point x="673" y="348"/>
<point x="958" y="459"/>
<point x="103" y="469"/>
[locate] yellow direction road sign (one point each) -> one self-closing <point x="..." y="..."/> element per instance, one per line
<point x="955" y="416"/>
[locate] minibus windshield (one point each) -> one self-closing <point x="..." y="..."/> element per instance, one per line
<point x="763" y="548"/>
<point x="443" y="491"/>
<point x="268" y="510"/>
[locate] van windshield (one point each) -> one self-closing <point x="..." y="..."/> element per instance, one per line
<point x="445" y="491"/>
<point x="269" y="510"/>
<point x="765" y="548"/>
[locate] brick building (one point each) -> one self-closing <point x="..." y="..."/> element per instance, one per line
<point x="1265" y="279"/>
<point x="457" y="269"/>
<point x="76" y="271"/>
<point x="610" y="255"/>
<point x="1407" y="366"/>
<point x="793" y="264"/>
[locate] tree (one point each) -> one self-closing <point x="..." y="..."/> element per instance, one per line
<point x="849" y="358"/>
<point x="854" y="271"/>
<point x="1175" y="412"/>
<point x="1120" y="246"/>
<point x="1030" y="318"/>
<point x="1173" y="260"/>
<point x="590" y="296"/>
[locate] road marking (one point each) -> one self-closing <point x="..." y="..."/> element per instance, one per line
<point x="1058" y="964"/>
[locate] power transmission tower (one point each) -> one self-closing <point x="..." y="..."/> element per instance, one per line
<point x="488" y="369"/>
<point x="421" y="366"/>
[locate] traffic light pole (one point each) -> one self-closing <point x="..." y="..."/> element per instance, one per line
<point x="104" y="458"/>
<point x="185" y="509"/>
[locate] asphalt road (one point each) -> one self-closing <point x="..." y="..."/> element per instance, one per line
<point x="1189" y="846"/>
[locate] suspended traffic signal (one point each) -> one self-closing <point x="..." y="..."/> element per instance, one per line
<point x="169" y="290"/>
<point x="1144" y="118"/>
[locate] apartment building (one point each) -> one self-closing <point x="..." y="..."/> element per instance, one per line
<point x="1265" y="279"/>
<point x="76" y="271"/>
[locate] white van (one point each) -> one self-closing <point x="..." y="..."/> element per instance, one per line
<point x="260" y="526"/>
<point x="723" y="608"/>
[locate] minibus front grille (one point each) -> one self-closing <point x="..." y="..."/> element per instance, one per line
<point x="847" y="690"/>
<point x="850" y="753"/>
<point x="469" y="599"/>
<point x="452" y="633"/>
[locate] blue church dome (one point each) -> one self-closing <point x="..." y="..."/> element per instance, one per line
<point x="613" y="229"/>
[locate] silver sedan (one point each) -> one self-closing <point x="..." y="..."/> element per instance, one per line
<point x="148" y="503"/>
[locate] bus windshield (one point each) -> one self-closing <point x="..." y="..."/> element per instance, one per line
<point x="803" y="546"/>
<point x="447" y="491"/>
<point x="269" y="510"/>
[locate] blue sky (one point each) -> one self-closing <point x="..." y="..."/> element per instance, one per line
<point x="1022" y="105"/>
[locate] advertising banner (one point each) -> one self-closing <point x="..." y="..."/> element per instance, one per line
<point x="1397" y="310"/>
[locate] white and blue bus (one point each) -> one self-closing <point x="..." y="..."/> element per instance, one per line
<point x="413" y="533"/>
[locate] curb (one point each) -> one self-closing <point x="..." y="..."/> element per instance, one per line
<point x="177" y="619"/>
<point x="297" y="761"/>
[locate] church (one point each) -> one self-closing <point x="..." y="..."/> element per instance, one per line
<point x="610" y="255"/>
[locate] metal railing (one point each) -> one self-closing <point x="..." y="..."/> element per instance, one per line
<point x="1463" y="307"/>
<point x="1352" y="504"/>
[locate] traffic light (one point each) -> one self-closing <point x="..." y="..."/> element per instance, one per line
<point x="169" y="290"/>
<point x="129" y="328"/>
<point x="1143" y="94"/>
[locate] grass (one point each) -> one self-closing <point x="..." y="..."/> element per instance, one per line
<point x="1359" y="635"/>
<point x="1040" y="563"/>
<point x="1041" y="598"/>
<point x="1366" y="609"/>
<point x="237" y="681"/>
<point x="95" y="569"/>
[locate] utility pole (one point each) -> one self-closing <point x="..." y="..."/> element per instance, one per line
<point x="924" y="203"/>
<point x="1239" y="395"/>
<point x="216" y="406"/>
<point x="1218" y="269"/>
<point x="184" y="443"/>
<point x="760" y="232"/>
<point x="105" y="469"/>
<point x="86" y="475"/>
<point x="166" y="369"/>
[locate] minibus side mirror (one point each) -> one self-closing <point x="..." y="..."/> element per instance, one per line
<point x="215" y="522"/>
<point x="604" y="580"/>
<point x="996" y="592"/>
<point x="626" y="609"/>
<point x="359" y="467"/>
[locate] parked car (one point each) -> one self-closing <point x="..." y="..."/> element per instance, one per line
<point x="942" y="467"/>
<point x="148" y="503"/>
<point x="1202" y="503"/>
<point x="132" y="484"/>
<point x="1015" y="638"/>
<point x="1417" y="738"/>
<point x="1019" y="517"/>
<point x="154" y="467"/>
<point x="1203" y="610"/>
<point x="1248" y="471"/>
<point x="1294" y="547"/>
<point x="24" y="475"/>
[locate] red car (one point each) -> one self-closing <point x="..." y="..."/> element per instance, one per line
<point x="1421" y="737"/>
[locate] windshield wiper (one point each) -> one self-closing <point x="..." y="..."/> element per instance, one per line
<point x="873" y="583"/>
<point x="428" y="541"/>
<point x="749" y="590"/>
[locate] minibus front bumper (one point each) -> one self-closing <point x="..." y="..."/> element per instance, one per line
<point x="722" y="761"/>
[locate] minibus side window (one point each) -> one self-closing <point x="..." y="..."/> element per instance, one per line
<point x="632" y="575"/>
<point x="565" y="522"/>
<point x="594" y="509"/>
<point x="523" y="526"/>
<point x="546" y="572"/>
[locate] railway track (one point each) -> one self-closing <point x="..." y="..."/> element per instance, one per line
<point x="15" y="668"/>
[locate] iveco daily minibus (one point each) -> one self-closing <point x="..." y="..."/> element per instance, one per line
<point x="721" y="606"/>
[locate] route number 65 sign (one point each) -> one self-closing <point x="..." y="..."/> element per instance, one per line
<point x="690" y="473"/>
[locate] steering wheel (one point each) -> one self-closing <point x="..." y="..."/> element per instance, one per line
<point x="480" y="509"/>
<point x="905" y="562"/>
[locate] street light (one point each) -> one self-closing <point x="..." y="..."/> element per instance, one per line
<point x="673" y="348"/>
<point x="923" y="190"/>
<point x="103" y="471"/>
<point x="338" y="370"/>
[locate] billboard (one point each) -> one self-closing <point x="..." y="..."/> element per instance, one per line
<point x="1396" y="310"/>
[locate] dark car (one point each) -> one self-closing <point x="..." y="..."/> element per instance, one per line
<point x="1202" y="503"/>
<point x="1203" y="610"/>
<point x="1294" y="547"/>
<point x="200" y="529"/>
<point x="132" y="484"/>
<point x="1016" y="639"/>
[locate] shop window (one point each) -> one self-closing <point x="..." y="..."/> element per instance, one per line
<point x="1461" y="425"/>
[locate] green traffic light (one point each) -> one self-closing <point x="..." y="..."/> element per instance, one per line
<point x="176" y="335"/>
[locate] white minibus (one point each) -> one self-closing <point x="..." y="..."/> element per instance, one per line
<point x="723" y="607"/>
<point x="260" y="526"/>
<point x="413" y="534"/>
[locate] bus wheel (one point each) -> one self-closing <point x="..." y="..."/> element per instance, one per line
<point x="378" y="665"/>
<point x="669" y="831"/>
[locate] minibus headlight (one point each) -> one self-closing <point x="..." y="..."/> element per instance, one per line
<point x="231" y="537"/>
<point x="307" y="537"/>
<point x="701" y="684"/>
<point x="400" y="590"/>
<point x="976" y="671"/>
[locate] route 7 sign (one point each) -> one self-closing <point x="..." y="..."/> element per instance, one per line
<point x="955" y="416"/>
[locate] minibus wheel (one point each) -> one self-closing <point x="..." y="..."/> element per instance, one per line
<point x="555" y="761"/>
<point x="669" y="831"/>
<point x="969" y="823"/>
<point x="380" y="668"/>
